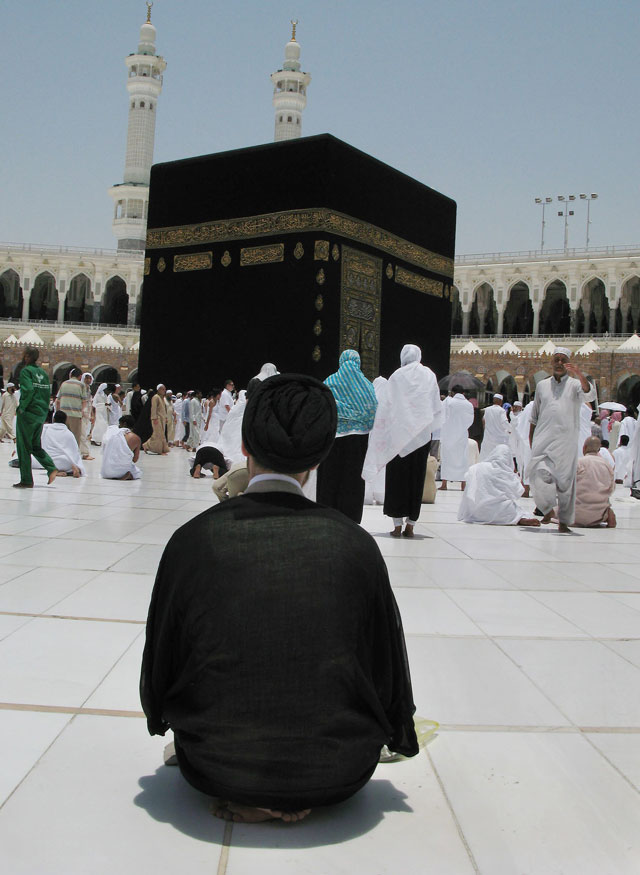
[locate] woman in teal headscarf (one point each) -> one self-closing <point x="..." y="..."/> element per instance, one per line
<point x="340" y="482"/>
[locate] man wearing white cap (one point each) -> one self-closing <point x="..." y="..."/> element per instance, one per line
<point x="553" y="436"/>
<point x="87" y="417"/>
<point x="496" y="427"/>
<point x="8" y="407"/>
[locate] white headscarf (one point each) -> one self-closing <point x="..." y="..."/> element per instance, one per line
<point x="88" y="374"/>
<point x="267" y="370"/>
<point x="406" y="416"/>
<point x="100" y="397"/>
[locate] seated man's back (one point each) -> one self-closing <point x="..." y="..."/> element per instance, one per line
<point x="275" y="650"/>
<point x="594" y="484"/>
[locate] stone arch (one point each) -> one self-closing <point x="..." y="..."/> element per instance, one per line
<point x="105" y="373"/>
<point x="133" y="376"/>
<point x="43" y="303"/>
<point x="79" y="303"/>
<point x="484" y="313"/>
<point x="593" y="313"/>
<point x="456" y="311"/>
<point x="628" y="390"/>
<point x="628" y="315"/>
<point x="10" y="295"/>
<point x="518" y="314"/>
<point x="115" y="302"/>
<point x="60" y="372"/>
<point x="555" y="316"/>
<point x="538" y="377"/>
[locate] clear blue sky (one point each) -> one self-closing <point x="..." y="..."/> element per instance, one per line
<point x="491" y="102"/>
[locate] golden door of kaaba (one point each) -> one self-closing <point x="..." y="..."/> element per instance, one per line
<point x="360" y="296"/>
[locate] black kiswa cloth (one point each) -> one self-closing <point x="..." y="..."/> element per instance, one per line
<point x="275" y="652"/>
<point x="289" y="423"/>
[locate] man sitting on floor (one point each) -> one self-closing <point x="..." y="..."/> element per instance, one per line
<point x="61" y="445"/>
<point x="492" y="492"/>
<point x="595" y="481"/>
<point x="274" y="646"/>
<point x="120" y="452"/>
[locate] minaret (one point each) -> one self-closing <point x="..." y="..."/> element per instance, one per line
<point x="290" y="92"/>
<point x="144" y="84"/>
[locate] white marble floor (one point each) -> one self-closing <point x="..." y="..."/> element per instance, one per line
<point x="524" y="645"/>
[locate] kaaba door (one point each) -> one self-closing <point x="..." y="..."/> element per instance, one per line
<point x="360" y="296"/>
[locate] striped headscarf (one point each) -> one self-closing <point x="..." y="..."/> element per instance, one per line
<point x="355" y="396"/>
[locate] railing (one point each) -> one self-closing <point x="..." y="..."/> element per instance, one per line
<point x="73" y="250"/>
<point x="545" y="255"/>
<point x="571" y="338"/>
<point x="53" y="325"/>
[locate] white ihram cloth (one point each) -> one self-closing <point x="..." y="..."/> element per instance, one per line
<point x="374" y="489"/>
<point x="606" y="455"/>
<point x="628" y="427"/>
<point x="226" y="400"/>
<point x="554" y="454"/>
<point x="454" y="436"/>
<point x="231" y="435"/>
<point x="522" y="424"/>
<point x="473" y="452"/>
<point x="496" y="430"/>
<point x="179" y="430"/>
<point x="410" y="411"/>
<point x="62" y="447"/>
<point x="585" y="426"/>
<point x="101" y="423"/>
<point x="634" y="459"/>
<point x="492" y="491"/>
<point x="117" y="456"/>
<point x="267" y="370"/>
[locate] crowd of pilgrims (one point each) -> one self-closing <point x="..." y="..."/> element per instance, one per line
<point x="387" y="430"/>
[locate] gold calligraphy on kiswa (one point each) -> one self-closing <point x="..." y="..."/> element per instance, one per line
<point x="195" y="261"/>
<point x="360" y="300"/>
<point x="252" y="255"/>
<point x="419" y="283"/>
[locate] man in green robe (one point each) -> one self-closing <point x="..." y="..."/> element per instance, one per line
<point x="35" y="391"/>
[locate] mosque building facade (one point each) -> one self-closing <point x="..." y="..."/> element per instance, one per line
<point x="525" y="297"/>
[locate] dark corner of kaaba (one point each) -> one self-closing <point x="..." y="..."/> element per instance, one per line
<point x="289" y="253"/>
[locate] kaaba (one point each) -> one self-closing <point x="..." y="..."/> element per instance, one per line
<point x="289" y="253"/>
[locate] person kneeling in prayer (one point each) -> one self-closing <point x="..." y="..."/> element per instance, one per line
<point x="490" y="496"/>
<point x="120" y="452"/>
<point x="595" y="482"/>
<point x="274" y="647"/>
<point x="211" y="459"/>
<point x="60" y="443"/>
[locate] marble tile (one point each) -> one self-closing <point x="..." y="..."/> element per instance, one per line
<point x="120" y="689"/>
<point x="463" y="574"/>
<point x="62" y="553"/>
<point x="154" y="533"/>
<point x="111" y="595"/>
<point x="142" y="559"/>
<point x="622" y="750"/>
<point x="629" y="650"/>
<point x="537" y="575"/>
<point x="132" y="815"/>
<point x="13" y="546"/>
<point x="373" y="832"/>
<point x="431" y="612"/>
<point x="630" y="599"/>
<point x="473" y="548"/>
<point x="59" y="662"/>
<point x="10" y="624"/>
<point x="585" y="679"/>
<point x="24" y="737"/>
<point x="513" y="613"/>
<point x="470" y="681"/>
<point x="10" y="572"/>
<point x="600" y="615"/>
<point x="539" y="803"/>
<point x="41" y="588"/>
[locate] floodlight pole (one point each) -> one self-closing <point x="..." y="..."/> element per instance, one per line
<point x="588" y="199"/>
<point x="543" y="201"/>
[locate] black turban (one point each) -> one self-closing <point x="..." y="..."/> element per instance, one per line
<point x="289" y="423"/>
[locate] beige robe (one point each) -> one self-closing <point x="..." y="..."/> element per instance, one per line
<point x="9" y="406"/>
<point x="594" y="484"/>
<point x="157" y="443"/>
<point x="171" y="421"/>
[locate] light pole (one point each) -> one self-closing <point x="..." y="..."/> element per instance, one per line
<point x="588" y="198"/>
<point x="544" y="202"/>
<point x="565" y="201"/>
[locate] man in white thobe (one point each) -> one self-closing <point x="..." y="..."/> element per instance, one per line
<point x="522" y="424"/>
<point x="622" y="458"/>
<point x="226" y="402"/>
<point x="628" y="427"/>
<point x="515" y="441"/>
<point x="8" y="407"/>
<point x="496" y="427"/>
<point x="553" y="436"/>
<point x="454" y="436"/>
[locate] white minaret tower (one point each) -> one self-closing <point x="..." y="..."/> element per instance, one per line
<point x="144" y="84"/>
<point x="290" y="92"/>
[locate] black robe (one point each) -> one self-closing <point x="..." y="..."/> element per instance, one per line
<point x="275" y="653"/>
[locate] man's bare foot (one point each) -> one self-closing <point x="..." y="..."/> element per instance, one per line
<point x="611" y="519"/>
<point x="408" y="531"/>
<point x="443" y="488"/>
<point x="563" y="528"/>
<point x="246" y="814"/>
<point x="525" y="494"/>
<point x="546" y="519"/>
<point x="396" y="532"/>
<point x="462" y="485"/>
<point x="75" y="471"/>
<point x="53" y="475"/>
<point x="62" y="474"/>
<point x="88" y="458"/>
<point x="127" y="476"/>
<point x="529" y="522"/>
